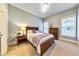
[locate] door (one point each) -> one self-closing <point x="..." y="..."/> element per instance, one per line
<point x="0" y="45"/>
<point x="3" y="29"/>
<point x="0" y="42"/>
<point x="1" y="26"/>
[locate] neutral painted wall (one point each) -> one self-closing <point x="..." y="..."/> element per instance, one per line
<point x="18" y="18"/>
<point x="4" y="27"/>
<point x="55" y="20"/>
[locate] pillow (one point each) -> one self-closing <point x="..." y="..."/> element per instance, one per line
<point x="29" y="31"/>
<point x="34" y="31"/>
<point x="37" y="32"/>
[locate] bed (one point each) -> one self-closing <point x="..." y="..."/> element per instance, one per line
<point x="42" y="41"/>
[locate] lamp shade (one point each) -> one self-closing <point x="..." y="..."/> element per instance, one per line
<point x="23" y="28"/>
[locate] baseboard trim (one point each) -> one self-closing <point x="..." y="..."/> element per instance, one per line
<point x="70" y="41"/>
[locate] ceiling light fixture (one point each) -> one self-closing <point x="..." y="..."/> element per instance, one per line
<point x="44" y="7"/>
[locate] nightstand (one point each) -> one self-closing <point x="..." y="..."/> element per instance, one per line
<point x="21" y="39"/>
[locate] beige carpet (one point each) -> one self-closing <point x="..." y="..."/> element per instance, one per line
<point x="61" y="48"/>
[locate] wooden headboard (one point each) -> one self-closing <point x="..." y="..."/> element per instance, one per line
<point x="31" y="28"/>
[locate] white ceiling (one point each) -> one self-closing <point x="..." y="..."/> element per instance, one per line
<point x="35" y="8"/>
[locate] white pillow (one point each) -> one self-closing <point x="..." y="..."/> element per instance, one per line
<point x="29" y="31"/>
<point x="37" y="32"/>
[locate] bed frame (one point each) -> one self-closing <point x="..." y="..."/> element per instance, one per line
<point x="45" y="45"/>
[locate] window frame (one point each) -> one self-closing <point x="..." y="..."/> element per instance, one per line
<point x="74" y="27"/>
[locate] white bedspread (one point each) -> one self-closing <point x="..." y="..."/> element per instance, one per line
<point x="31" y="36"/>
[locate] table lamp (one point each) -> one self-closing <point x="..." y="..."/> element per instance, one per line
<point x="23" y="29"/>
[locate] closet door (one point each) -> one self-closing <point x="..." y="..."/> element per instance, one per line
<point x="0" y="44"/>
<point x="3" y="28"/>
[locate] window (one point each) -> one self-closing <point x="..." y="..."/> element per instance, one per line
<point x="46" y="27"/>
<point x="78" y="28"/>
<point x="68" y="27"/>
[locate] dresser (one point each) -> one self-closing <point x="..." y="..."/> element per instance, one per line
<point x="54" y="31"/>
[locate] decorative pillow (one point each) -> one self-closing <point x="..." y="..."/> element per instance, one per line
<point x="37" y="32"/>
<point x="34" y="31"/>
<point x="41" y="32"/>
